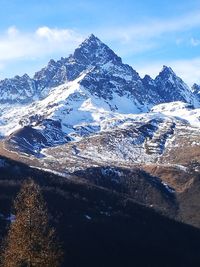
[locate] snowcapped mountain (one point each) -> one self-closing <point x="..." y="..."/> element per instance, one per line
<point x="92" y="115"/>
<point x="81" y="95"/>
<point x="17" y="90"/>
<point x="172" y="88"/>
<point x="146" y="138"/>
<point x="106" y="76"/>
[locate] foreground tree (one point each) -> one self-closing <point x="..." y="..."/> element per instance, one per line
<point x="30" y="241"/>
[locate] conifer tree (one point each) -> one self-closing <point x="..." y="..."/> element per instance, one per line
<point x="30" y="241"/>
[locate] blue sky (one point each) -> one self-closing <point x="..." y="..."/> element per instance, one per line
<point x="146" y="34"/>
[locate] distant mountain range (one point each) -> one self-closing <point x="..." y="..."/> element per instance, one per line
<point x="103" y="75"/>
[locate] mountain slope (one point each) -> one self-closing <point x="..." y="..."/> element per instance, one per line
<point x="94" y="223"/>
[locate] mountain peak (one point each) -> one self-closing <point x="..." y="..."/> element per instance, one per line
<point x="90" y="42"/>
<point x="147" y="78"/>
<point x="166" y="74"/>
<point x="51" y="62"/>
<point x="167" y="70"/>
<point x="196" y="89"/>
<point x="92" y="38"/>
<point x="172" y="88"/>
<point x="93" y="51"/>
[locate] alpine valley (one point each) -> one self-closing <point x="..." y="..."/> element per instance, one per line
<point x="117" y="155"/>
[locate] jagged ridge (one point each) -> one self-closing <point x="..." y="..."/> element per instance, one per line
<point x="106" y="75"/>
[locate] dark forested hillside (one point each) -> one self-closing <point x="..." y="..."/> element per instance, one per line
<point x="99" y="227"/>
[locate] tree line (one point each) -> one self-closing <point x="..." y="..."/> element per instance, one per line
<point x="31" y="241"/>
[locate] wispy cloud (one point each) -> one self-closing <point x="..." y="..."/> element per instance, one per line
<point x="194" y="42"/>
<point x="15" y="44"/>
<point x="153" y="28"/>
<point x="44" y="41"/>
<point x="151" y="34"/>
<point x="127" y="41"/>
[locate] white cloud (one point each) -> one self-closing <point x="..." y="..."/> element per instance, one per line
<point x="1" y="66"/>
<point x="153" y="28"/>
<point x="188" y="70"/>
<point x="57" y="35"/>
<point x="15" y="44"/>
<point x="12" y="31"/>
<point x="194" y="42"/>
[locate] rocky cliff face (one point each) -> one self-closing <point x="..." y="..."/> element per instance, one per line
<point x="17" y="90"/>
<point x="196" y="91"/>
